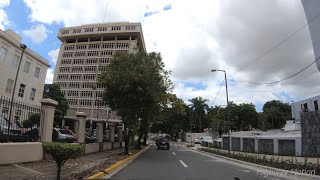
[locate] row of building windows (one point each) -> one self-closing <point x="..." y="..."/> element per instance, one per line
<point x="15" y="63"/>
<point x="112" y="28"/>
<point x="85" y="61"/>
<point x="72" y="102"/>
<point x="121" y="45"/>
<point x="92" y="53"/>
<point x="21" y="91"/>
<point x="82" y="69"/>
<point x="79" y="85"/>
<point x="78" y="77"/>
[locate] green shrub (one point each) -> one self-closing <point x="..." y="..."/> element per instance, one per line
<point x="61" y="152"/>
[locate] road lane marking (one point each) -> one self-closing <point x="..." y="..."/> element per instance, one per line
<point x="16" y="165"/>
<point x="173" y="153"/>
<point x="183" y="164"/>
<point x="244" y="170"/>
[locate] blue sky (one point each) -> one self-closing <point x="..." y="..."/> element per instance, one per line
<point x="191" y="40"/>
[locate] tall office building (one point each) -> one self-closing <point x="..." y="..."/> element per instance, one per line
<point x="312" y="11"/>
<point x="84" y="54"/>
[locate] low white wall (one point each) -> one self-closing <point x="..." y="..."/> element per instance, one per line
<point x="20" y="152"/>
<point x="107" y="146"/>
<point x="191" y="137"/>
<point x="92" y="147"/>
<point x="116" y="145"/>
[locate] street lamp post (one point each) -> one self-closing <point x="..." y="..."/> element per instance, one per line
<point x="226" y="83"/>
<point x="23" y="47"/>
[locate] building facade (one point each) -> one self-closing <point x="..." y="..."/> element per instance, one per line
<point x="32" y="73"/>
<point x="84" y="54"/>
<point x="312" y="9"/>
<point x="31" y="76"/>
<point x="307" y="105"/>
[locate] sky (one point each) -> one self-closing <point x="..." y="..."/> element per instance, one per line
<point x="248" y="39"/>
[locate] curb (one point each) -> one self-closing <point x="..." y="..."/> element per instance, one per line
<point x="118" y="164"/>
<point x="249" y="163"/>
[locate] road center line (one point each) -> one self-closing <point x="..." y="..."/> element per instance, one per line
<point x="183" y="164"/>
<point x="173" y="153"/>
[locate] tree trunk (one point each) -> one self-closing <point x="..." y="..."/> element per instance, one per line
<point x="138" y="146"/>
<point x="145" y="138"/>
<point x="59" y="171"/>
<point x="126" y="138"/>
<point x="200" y="125"/>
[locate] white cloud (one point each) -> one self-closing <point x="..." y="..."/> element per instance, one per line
<point x="3" y="15"/>
<point x="37" y="34"/>
<point x="195" y="37"/>
<point x="53" y="54"/>
<point x="49" y="76"/>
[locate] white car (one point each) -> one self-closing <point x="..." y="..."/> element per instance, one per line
<point x="203" y="138"/>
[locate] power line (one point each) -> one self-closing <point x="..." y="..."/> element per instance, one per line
<point x="218" y="92"/>
<point x="274" y="82"/>
<point x="304" y="77"/>
<point x="279" y="44"/>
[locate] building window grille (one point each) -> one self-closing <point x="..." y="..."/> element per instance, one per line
<point x="75" y="77"/>
<point x="3" y="53"/>
<point x="37" y="72"/>
<point x="21" y="90"/>
<point x="65" y="61"/>
<point x="67" y="54"/>
<point x="33" y="94"/>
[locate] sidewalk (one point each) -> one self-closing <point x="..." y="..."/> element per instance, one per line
<point x="284" y="158"/>
<point x="73" y="168"/>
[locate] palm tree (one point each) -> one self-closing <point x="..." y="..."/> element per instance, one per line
<point x="199" y="105"/>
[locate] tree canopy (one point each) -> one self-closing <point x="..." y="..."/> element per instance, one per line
<point x="135" y="87"/>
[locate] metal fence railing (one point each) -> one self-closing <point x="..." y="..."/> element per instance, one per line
<point x="19" y="127"/>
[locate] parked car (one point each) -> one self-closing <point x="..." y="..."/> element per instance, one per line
<point x="163" y="143"/>
<point x="90" y="138"/>
<point x="63" y="135"/>
<point x="203" y="138"/>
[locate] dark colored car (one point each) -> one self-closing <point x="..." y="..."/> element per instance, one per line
<point x="90" y="138"/>
<point x="163" y="143"/>
<point x="63" y="135"/>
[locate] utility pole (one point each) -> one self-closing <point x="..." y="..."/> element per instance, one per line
<point x="228" y="113"/>
<point x="23" y="47"/>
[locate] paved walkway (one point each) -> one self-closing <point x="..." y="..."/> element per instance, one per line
<point x="47" y="169"/>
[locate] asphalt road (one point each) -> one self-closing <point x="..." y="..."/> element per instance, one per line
<point x="180" y="163"/>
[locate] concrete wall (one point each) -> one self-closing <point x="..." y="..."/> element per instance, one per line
<point x="265" y="146"/>
<point x="310" y="133"/>
<point x="20" y="152"/>
<point x="235" y="144"/>
<point x="287" y="147"/>
<point x="116" y="145"/>
<point x="225" y="142"/>
<point x="248" y="145"/>
<point x="192" y="136"/>
<point x="92" y="147"/>
<point x="107" y="146"/>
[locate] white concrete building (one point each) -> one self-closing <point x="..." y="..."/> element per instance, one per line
<point x="32" y="73"/>
<point x="311" y="104"/>
<point x="84" y="53"/>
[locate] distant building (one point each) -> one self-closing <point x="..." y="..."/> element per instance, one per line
<point x="32" y="73"/>
<point x="84" y="54"/>
<point x="312" y="9"/>
<point x="307" y="105"/>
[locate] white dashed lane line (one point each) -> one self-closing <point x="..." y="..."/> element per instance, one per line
<point x="183" y="164"/>
<point x="173" y="153"/>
